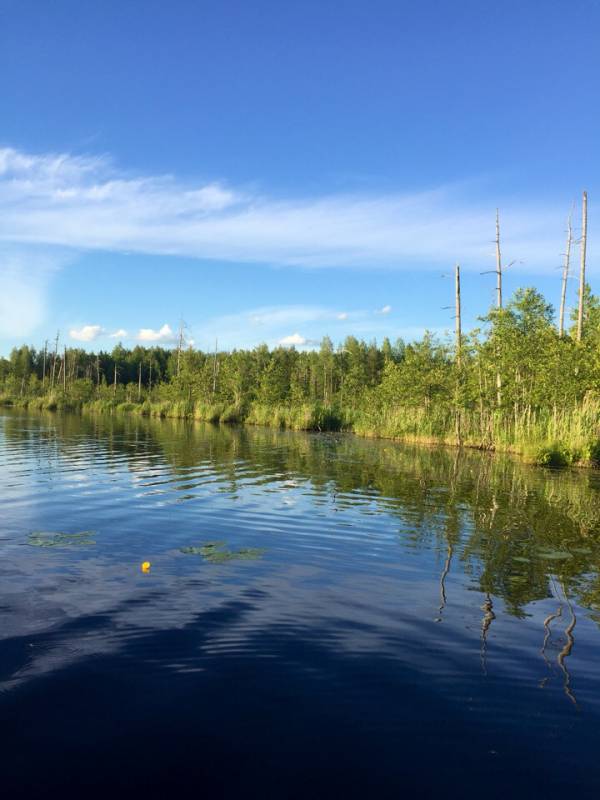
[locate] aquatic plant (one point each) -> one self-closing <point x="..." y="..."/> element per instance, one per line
<point x="216" y="552"/>
<point x="60" y="539"/>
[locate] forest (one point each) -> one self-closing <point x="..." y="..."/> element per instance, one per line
<point x="519" y="382"/>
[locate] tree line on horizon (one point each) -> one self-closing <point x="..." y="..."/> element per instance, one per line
<point x="519" y="380"/>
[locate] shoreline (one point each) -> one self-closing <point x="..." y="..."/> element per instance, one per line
<point x="534" y="452"/>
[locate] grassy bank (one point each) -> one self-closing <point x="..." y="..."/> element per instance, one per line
<point x="547" y="437"/>
<point x="565" y="438"/>
<point x="303" y="417"/>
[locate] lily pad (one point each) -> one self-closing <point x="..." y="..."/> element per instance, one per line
<point x="204" y="549"/>
<point x="244" y="554"/>
<point x="216" y="552"/>
<point x="60" y="539"/>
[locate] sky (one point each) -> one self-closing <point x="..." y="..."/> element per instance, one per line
<point x="276" y="172"/>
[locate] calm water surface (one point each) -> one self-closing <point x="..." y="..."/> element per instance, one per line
<point x="324" y="616"/>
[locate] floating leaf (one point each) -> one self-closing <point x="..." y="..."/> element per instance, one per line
<point x="202" y="550"/>
<point x="215" y="552"/>
<point x="245" y="554"/>
<point x="60" y="539"/>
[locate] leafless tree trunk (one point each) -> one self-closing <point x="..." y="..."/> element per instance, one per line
<point x="458" y="315"/>
<point x="498" y="297"/>
<point x="582" y="266"/>
<point x="565" y="276"/>
<point x="458" y="354"/>
<point x="55" y="357"/>
<point x="44" y="367"/>
<point x="214" y="387"/>
<point x="180" y="345"/>
<point x="498" y="263"/>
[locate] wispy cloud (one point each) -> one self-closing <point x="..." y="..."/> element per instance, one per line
<point x="288" y="315"/>
<point x="271" y="325"/>
<point x="385" y="310"/>
<point x="121" y="333"/>
<point x="87" y="333"/>
<point x="25" y="274"/>
<point x="88" y="203"/>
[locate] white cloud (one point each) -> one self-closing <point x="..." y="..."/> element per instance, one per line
<point x="119" y="334"/>
<point x="164" y="335"/>
<point x="385" y="310"/>
<point x="293" y="340"/>
<point x="87" y="333"/>
<point x="87" y="203"/>
<point x="342" y="315"/>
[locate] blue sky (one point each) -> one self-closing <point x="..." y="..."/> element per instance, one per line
<point x="279" y="171"/>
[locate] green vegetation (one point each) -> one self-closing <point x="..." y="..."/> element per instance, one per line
<point x="514" y="384"/>
<point x="217" y="553"/>
<point x="50" y="539"/>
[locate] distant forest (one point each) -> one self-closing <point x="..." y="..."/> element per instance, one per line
<point x="514" y="383"/>
<point x="522" y="381"/>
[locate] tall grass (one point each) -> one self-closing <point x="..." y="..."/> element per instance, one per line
<point x="549" y="437"/>
<point x="556" y="437"/>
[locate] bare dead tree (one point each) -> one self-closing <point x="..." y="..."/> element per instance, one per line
<point x="498" y="297"/>
<point x="180" y="339"/>
<point x="215" y="367"/>
<point x="498" y="263"/>
<point x="458" y="355"/>
<point x="565" y="276"/>
<point x="44" y="366"/>
<point x="55" y="357"/>
<point x="458" y="320"/>
<point x="583" y="247"/>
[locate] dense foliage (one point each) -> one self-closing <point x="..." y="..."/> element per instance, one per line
<point x="515" y="384"/>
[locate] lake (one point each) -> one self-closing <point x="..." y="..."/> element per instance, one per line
<point x="322" y="616"/>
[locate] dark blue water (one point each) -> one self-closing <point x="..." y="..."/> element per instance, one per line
<point x="354" y="619"/>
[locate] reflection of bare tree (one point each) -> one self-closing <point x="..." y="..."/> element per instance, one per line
<point x="443" y="576"/>
<point x="550" y="618"/>
<point x="488" y="618"/>
<point x="567" y="649"/>
<point x="569" y="644"/>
